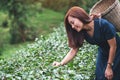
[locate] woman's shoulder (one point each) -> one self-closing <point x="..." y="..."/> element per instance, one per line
<point x="103" y="23"/>
<point x="107" y="25"/>
<point x="101" y="20"/>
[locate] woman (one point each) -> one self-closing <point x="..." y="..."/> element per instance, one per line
<point x="79" y="26"/>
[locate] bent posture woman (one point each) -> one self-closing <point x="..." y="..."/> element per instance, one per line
<point x="97" y="31"/>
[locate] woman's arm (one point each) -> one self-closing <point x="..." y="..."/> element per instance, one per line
<point x="109" y="71"/>
<point x="71" y="54"/>
<point x="112" y="44"/>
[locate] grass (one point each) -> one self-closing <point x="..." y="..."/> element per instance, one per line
<point x="46" y="20"/>
<point x="43" y="23"/>
<point x="9" y="50"/>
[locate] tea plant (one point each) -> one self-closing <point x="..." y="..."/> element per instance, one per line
<point x="35" y="61"/>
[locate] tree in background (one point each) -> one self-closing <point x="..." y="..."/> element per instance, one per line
<point x="86" y="4"/>
<point x="57" y="5"/>
<point x="63" y="5"/>
<point x="18" y="11"/>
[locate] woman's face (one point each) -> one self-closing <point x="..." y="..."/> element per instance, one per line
<point x="75" y="23"/>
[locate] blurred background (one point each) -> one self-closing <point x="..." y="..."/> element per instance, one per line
<point x="21" y="21"/>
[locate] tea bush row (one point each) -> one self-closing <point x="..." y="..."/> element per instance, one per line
<point x="34" y="62"/>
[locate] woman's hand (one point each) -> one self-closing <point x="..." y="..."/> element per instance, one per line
<point x="56" y="64"/>
<point x="93" y="16"/>
<point x="109" y="73"/>
<point x="71" y="54"/>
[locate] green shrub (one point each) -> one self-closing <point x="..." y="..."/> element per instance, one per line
<point x="35" y="61"/>
<point x="63" y="5"/>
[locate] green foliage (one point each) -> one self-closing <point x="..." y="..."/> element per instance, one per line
<point x="45" y="22"/>
<point x="35" y="61"/>
<point x="63" y="5"/>
<point x="57" y="5"/>
<point x="8" y="50"/>
<point x="40" y="22"/>
<point x="4" y="39"/>
<point x="17" y="11"/>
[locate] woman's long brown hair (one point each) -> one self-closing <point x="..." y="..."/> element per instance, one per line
<point x="75" y="39"/>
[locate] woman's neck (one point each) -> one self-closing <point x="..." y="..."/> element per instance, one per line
<point x="90" y="26"/>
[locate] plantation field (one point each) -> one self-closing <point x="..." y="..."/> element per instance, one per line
<point x="34" y="62"/>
